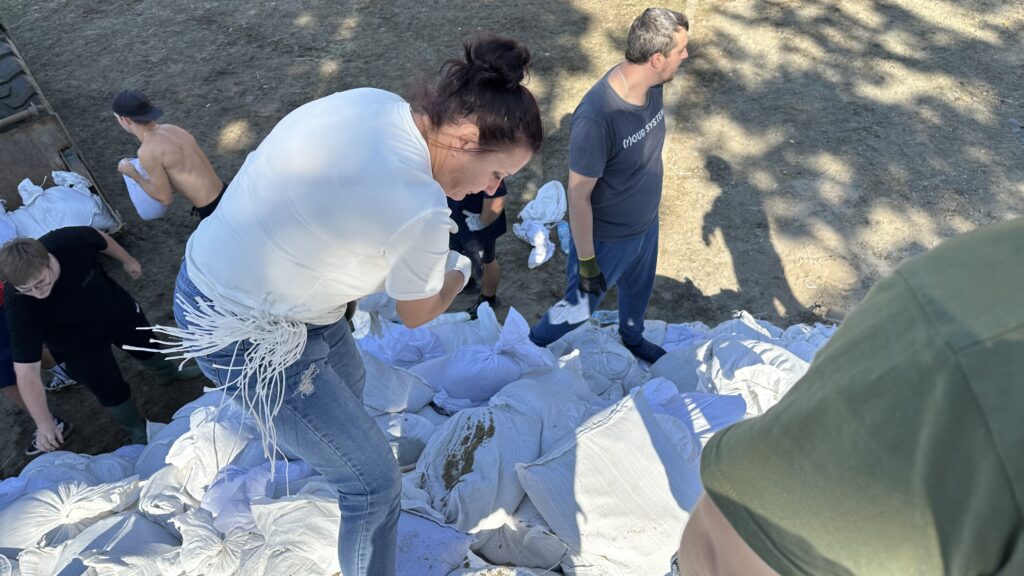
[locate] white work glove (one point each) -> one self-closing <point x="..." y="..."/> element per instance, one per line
<point x="473" y="221"/>
<point x="461" y="264"/>
<point x="453" y="227"/>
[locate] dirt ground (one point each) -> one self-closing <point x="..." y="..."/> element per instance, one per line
<point x="814" y="144"/>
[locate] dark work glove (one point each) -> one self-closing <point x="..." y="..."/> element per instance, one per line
<point x="591" y="279"/>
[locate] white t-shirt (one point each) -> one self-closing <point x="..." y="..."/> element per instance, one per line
<point x="336" y="203"/>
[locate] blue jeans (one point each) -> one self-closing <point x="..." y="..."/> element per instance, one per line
<point x="323" y="422"/>
<point x="630" y="264"/>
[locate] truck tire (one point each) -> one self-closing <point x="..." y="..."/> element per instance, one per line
<point x="17" y="91"/>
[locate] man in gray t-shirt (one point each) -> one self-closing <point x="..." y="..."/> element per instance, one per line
<point x="615" y="177"/>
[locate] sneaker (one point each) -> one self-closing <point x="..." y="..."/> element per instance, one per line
<point x="65" y="428"/>
<point x="492" y="300"/>
<point x="646" y="350"/>
<point x="59" y="380"/>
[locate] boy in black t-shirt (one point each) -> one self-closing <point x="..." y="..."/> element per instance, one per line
<point x="57" y="293"/>
<point x="481" y="221"/>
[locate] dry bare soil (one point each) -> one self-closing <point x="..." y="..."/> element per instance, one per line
<point x="814" y="144"/>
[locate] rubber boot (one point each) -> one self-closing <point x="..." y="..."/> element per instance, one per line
<point x="129" y="418"/>
<point x="166" y="371"/>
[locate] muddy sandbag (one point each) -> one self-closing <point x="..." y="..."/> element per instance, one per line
<point x="468" y="468"/>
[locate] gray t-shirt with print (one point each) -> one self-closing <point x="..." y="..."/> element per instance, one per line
<point x="619" y="144"/>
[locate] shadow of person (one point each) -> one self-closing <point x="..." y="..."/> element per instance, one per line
<point x="763" y="287"/>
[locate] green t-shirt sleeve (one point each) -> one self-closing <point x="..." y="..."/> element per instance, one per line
<point x="879" y="461"/>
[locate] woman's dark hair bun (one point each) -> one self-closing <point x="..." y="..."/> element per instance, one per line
<point x="486" y="87"/>
<point x="497" y="62"/>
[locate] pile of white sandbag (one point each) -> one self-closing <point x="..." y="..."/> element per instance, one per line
<point x="574" y="459"/>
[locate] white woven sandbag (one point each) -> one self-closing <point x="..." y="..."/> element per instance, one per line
<point x="126" y="535"/>
<point x="208" y="552"/>
<point x="525" y="540"/>
<point x="216" y="438"/>
<point x="471" y="375"/>
<point x="408" y="435"/>
<point x="15" y="487"/>
<point x="9" y="566"/>
<point x="805" y="341"/>
<point x="760" y="372"/>
<point x="468" y="468"/>
<point x="57" y="514"/>
<point x="60" y="466"/>
<point x="608" y="367"/>
<point x="476" y="566"/>
<point x="680" y="366"/>
<point x="426" y="548"/>
<point x="746" y="327"/>
<point x="163" y="497"/>
<point x="686" y="334"/>
<point x="229" y="496"/>
<point x="552" y="399"/>
<point x="390" y="389"/>
<point x="619" y="475"/>
<point x="300" y="533"/>
<point x="457" y="335"/>
<point x="403" y="347"/>
<point x="154" y="455"/>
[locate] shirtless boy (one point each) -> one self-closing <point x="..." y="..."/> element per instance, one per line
<point x="170" y="156"/>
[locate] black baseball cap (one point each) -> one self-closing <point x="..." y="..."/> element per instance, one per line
<point x="134" y="104"/>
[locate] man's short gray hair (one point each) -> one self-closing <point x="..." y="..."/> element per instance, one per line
<point x="654" y="32"/>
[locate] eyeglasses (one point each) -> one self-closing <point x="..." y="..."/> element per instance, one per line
<point x="45" y="278"/>
<point x="675" y="564"/>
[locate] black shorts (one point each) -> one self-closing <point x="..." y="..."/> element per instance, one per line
<point x="479" y="251"/>
<point x="203" y="211"/>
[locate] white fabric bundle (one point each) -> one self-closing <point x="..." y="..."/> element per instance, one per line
<point x="68" y="203"/>
<point x="468" y="468"/>
<point x="389" y="389"/>
<point x="537" y="235"/>
<point x="471" y="375"/>
<point x="549" y="206"/>
<point x="54" y="515"/>
<point x="149" y="208"/>
<point x="620" y="475"/>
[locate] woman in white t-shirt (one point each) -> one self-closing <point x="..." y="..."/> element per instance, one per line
<point x="344" y="198"/>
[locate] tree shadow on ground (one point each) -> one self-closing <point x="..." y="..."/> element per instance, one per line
<point x="851" y="160"/>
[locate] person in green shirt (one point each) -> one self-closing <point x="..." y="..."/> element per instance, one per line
<point x="901" y="451"/>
